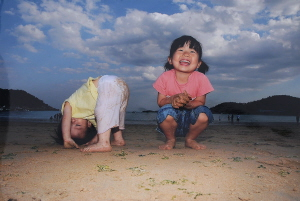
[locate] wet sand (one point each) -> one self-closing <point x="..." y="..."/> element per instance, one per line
<point x="241" y="162"/>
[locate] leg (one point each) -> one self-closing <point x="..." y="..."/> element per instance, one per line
<point x="194" y="132"/>
<point x="118" y="137"/>
<point x="103" y="144"/>
<point x="110" y="112"/>
<point x="168" y="127"/>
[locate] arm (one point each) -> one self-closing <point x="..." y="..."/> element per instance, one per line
<point x="66" y="126"/>
<point x="177" y="100"/>
<point x="200" y="100"/>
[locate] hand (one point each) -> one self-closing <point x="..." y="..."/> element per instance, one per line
<point x="190" y="105"/>
<point x="69" y="144"/>
<point x="180" y="100"/>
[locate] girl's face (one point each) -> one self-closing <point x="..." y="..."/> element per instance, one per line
<point x="185" y="59"/>
<point x="79" y="127"/>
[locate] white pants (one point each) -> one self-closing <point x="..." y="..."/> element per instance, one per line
<point x="113" y="94"/>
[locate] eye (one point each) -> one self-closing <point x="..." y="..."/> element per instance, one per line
<point x="193" y="51"/>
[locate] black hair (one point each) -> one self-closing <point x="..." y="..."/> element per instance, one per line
<point x="194" y="44"/>
<point x="90" y="134"/>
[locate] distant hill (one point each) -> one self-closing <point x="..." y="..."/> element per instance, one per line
<point x="273" y="105"/>
<point x="19" y="100"/>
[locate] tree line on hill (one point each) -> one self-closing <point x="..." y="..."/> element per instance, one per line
<point x="273" y="105"/>
<point x="19" y="100"/>
<point x="12" y="100"/>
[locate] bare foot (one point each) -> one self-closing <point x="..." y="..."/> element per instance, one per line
<point x="97" y="148"/>
<point x="118" y="143"/>
<point x="194" y="145"/>
<point x="170" y="144"/>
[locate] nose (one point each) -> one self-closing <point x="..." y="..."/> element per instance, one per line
<point x="186" y="53"/>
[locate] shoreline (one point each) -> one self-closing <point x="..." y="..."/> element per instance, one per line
<point x="241" y="162"/>
<point x="152" y="122"/>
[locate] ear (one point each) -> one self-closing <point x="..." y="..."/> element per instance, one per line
<point x="89" y="124"/>
<point x="170" y="61"/>
<point x="199" y="64"/>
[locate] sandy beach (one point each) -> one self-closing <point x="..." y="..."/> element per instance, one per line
<point x="241" y="162"/>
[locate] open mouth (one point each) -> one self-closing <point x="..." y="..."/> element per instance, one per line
<point x="184" y="62"/>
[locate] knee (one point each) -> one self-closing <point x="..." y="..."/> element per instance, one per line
<point x="169" y="119"/>
<point x="202" y="118"/>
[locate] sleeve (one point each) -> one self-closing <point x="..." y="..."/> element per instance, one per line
<point x="206" y="86"/>
<point x="62" y="107"/>
<point x="72" y="102"/>
<point x="160" y="85"/>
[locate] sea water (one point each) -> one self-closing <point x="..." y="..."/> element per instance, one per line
<point x="148" y="118"/>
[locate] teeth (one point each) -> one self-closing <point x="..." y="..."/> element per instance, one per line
<point x="185" y="61"/>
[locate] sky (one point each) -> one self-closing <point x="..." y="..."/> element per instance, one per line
<point x="50" y="47"/>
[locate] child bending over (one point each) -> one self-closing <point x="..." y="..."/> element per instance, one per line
<point x="100" y="103"/>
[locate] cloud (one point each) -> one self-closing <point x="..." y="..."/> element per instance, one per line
<point x="27" y="35"/>
<point x="248" y="44"/>
<point x="19" y="58"/>
<point x="283" y="8"/>
<point x="44" y="70"/>
<point x="91" y="5"/>
<point x="184" y="1"/>
<point x="141" y="38"/>
<point x="72" y="70"/>
<point x="9" y="12"/>
<point x="72" y="55"/>
<point x="152" y="73"/>
<point x="67" y="36"/>
<point x="96" y="65"/>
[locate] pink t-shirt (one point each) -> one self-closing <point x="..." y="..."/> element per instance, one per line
<point x="197" y="85"/>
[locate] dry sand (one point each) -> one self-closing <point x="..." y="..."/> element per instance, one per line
<point x="241" y="162"/>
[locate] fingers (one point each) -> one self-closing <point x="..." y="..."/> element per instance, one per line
<point x="73" y="144"/>
<point x="180" y="100"/>
<point x="188" y="95"/>
<point x="175" y="106"/>
<point x="76" y="145"/>
<point x="70" y="145"/>
<point x="175" y="103"/>
<point x="179" y="103"/>
<point x="183" y="98"/>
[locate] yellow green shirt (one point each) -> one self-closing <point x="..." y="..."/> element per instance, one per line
<point x="83" y="101"/>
